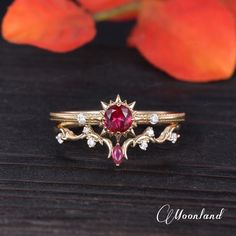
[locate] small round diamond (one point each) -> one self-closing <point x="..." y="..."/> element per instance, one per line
<point x="86" y="130"/>
<point x="59" y="138"/>
<point x="154" y="119"/>
<point x="174" y="137"/>
<point x="81" y="119"/>
<point x="91" y="142"/>
<point x="150" y="132"/>
<point x="143" y="145"/>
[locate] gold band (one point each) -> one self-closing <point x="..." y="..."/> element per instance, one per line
<point x="140" y="117"/>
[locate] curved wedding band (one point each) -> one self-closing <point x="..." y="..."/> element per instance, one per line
<point x="117" y="119"/>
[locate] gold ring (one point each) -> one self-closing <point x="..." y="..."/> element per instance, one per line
<point x="117" y="119"/>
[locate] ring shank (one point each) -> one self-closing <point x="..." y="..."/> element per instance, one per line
<point x="140" y="117"/>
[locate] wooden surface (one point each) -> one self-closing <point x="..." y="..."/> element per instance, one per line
<point x="52" y="189"/>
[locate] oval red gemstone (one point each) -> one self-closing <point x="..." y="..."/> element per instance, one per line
<point x="118" y="118"/>
<point x="117" y="154"/>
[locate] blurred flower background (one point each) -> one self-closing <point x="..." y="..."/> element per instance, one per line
<point x="191" y="40"/>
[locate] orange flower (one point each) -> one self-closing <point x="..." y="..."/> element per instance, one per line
<point x="55" y="25"/>
<point x="96" y="6"/>
<point x="191" y="40"/>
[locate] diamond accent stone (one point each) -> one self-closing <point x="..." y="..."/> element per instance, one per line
<point x="143" y="145"/>
<point x="81" y="119"/>
<point x="150" y="132"/>
<point x="86" y="130"/>
<point x="173" y="137"/>
<point x="59" y="138"/>
<point x="154" y="119"/>
<point x="91" y="142"/>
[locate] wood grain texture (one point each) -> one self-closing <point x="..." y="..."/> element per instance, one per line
<point x="51" y="189"/>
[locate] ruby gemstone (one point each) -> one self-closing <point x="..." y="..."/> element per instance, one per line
<point x="117" y="154"/>
<point x="118" y="118"/>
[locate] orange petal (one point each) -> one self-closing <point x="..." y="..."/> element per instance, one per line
<point x="58" y="26"/>
<point x="96" y="6"/>
<point x="191" y="40"/>
<point x="231" y="4"/>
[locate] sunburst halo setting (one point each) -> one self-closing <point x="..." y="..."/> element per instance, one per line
<point x="117" y="121"/>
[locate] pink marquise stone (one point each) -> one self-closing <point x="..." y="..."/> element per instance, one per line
<point x="117" y="154"/>
<point x="118" y="118"/>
